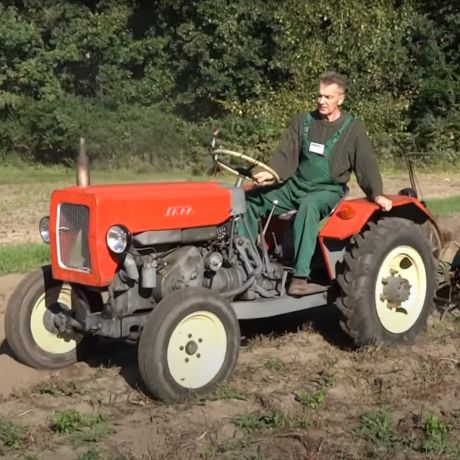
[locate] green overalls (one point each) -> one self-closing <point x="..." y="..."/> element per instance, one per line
<point x="310" y="190"/>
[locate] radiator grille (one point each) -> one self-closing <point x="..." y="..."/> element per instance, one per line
<point x="72" y="231"/>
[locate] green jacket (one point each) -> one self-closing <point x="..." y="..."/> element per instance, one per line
<point x="352" y="152"/>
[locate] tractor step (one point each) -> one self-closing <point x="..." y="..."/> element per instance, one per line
<point x="266" y="308"/>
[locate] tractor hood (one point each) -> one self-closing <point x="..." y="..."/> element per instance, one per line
<point x="160" y="206"/>
<point x="81" y="216"/>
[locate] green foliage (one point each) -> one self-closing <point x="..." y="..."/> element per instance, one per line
<point x="274" y="365"/>
<point x="82" y="427"/>
<point x="22" y="257"/>
<point x="221" y="51"/>
<point x="58" y="388"/>
<point x="271" y="420"/>
<point x="91" y="454"/>
<point x="377" y="428"/>
<point x="128" y="136"/>
<point x="143" y="81"/>
<point x="11" y="435"/>
<point x="315" y="399"/>
<point x="311" y="400"/>
<point x="228" y="392"/>
<point x="436" y="440"/>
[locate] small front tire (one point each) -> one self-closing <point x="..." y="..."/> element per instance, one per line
<point x="189" y="344"/>
<point x="29" y="322"/>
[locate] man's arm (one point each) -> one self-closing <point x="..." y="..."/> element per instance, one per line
<point x="367" y="171"/>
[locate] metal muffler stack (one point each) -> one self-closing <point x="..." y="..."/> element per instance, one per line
<point x="82" y="165"/>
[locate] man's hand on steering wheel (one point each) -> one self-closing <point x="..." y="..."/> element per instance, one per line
<point x="264" y="178"/>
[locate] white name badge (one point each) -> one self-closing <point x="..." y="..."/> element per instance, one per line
<point x="317" y="148"/>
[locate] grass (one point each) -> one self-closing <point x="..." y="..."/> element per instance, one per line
<point x="61" y="175"/>
<point x="273" y="420"/>
<point x="23" y="257"/>
<point x="224" y="392"/>
<point x="377" y="428"/>
<point x="311" y="400"/>
<point x="11" y="435"/>
<point x="444" y="206"/>
<point x="436" y="437"/>
<point x="274" y="365"/>
<point x="58" y="387"/>
<point x="82" y="427"/>
<point x="91" y="454"/>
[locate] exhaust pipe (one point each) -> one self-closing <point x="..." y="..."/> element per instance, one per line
<point x="82" y="165"/>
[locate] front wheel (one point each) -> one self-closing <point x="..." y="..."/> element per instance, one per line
<point x="30" y="322"/>
<point x="189" y="344"/>
<point x="387" y="283"/>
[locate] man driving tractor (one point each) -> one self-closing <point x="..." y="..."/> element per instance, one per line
<point x="315" y="157"/>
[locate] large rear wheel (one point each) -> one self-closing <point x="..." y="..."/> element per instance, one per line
<point x="189" y="344"/>
<point x="30" y="322"/>
<point x="387" y="283"/>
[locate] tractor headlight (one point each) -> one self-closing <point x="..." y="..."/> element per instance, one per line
<point x="44" y="229"/>
<point x="118" y="238"/>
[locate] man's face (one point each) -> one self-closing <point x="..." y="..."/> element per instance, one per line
<point x="329" y="99"/>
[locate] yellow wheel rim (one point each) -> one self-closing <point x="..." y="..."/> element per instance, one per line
<point x="197" y="349"/>
<point x="49" y="341"/>
<point x="406" y="262"/>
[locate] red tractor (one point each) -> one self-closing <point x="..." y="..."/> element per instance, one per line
<point x="161" y="264"/>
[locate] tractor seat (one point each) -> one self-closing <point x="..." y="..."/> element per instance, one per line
<point x="290" y="215"/>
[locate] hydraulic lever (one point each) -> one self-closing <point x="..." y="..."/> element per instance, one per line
<point x="269" y="218"/>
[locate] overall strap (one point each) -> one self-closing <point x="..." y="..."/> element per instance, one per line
<point x="306" y="129"/>
<point x="336" y="136"/>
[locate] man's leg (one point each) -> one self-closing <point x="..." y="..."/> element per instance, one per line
<point x="259" y="201"/>
<point x="314" y="207"/>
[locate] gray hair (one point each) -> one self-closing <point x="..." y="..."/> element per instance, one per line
<point x="329" y="78"/>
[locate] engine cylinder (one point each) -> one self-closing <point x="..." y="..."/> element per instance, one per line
<point x="182" y="268"/>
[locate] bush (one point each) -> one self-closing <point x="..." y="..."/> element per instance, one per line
<point x="122" y="136"/>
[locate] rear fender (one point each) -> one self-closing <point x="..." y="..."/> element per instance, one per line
<point x="351" y="216"/>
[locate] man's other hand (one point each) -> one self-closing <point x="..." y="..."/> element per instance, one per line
<point x="264" y="178"/>
<point x="383" y="202"/>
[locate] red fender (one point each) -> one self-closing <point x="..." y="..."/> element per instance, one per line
<point x="351" y="216"/>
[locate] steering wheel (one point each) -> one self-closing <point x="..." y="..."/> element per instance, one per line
<point x="239" y="171"/>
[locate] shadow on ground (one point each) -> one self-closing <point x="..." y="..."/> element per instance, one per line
<point x="6" y="350"/>
<point x="323" y="320"/>
<point x="111" y="353"/>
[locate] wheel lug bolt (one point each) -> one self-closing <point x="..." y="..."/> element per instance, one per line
<point x="186" y="360"/>
<point x="181" y="348"/>
<point x="198" y="355"/>
<point x="190" y="336"/>
<point x="200" y="340"/>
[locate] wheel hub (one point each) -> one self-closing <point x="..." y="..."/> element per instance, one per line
<point x="49" y="321"/>
<point x="396" y="290"/>
<point x="46" y="323"/>
<point x="400" y="289"/>
<point x="191" y="348"/>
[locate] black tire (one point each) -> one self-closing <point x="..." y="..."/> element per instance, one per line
<point x="169" y="339"/>
<point x="368" y="317"/>
<point x="28" y="310"/>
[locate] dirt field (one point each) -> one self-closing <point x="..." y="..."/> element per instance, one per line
<point x="300" y="390"/>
